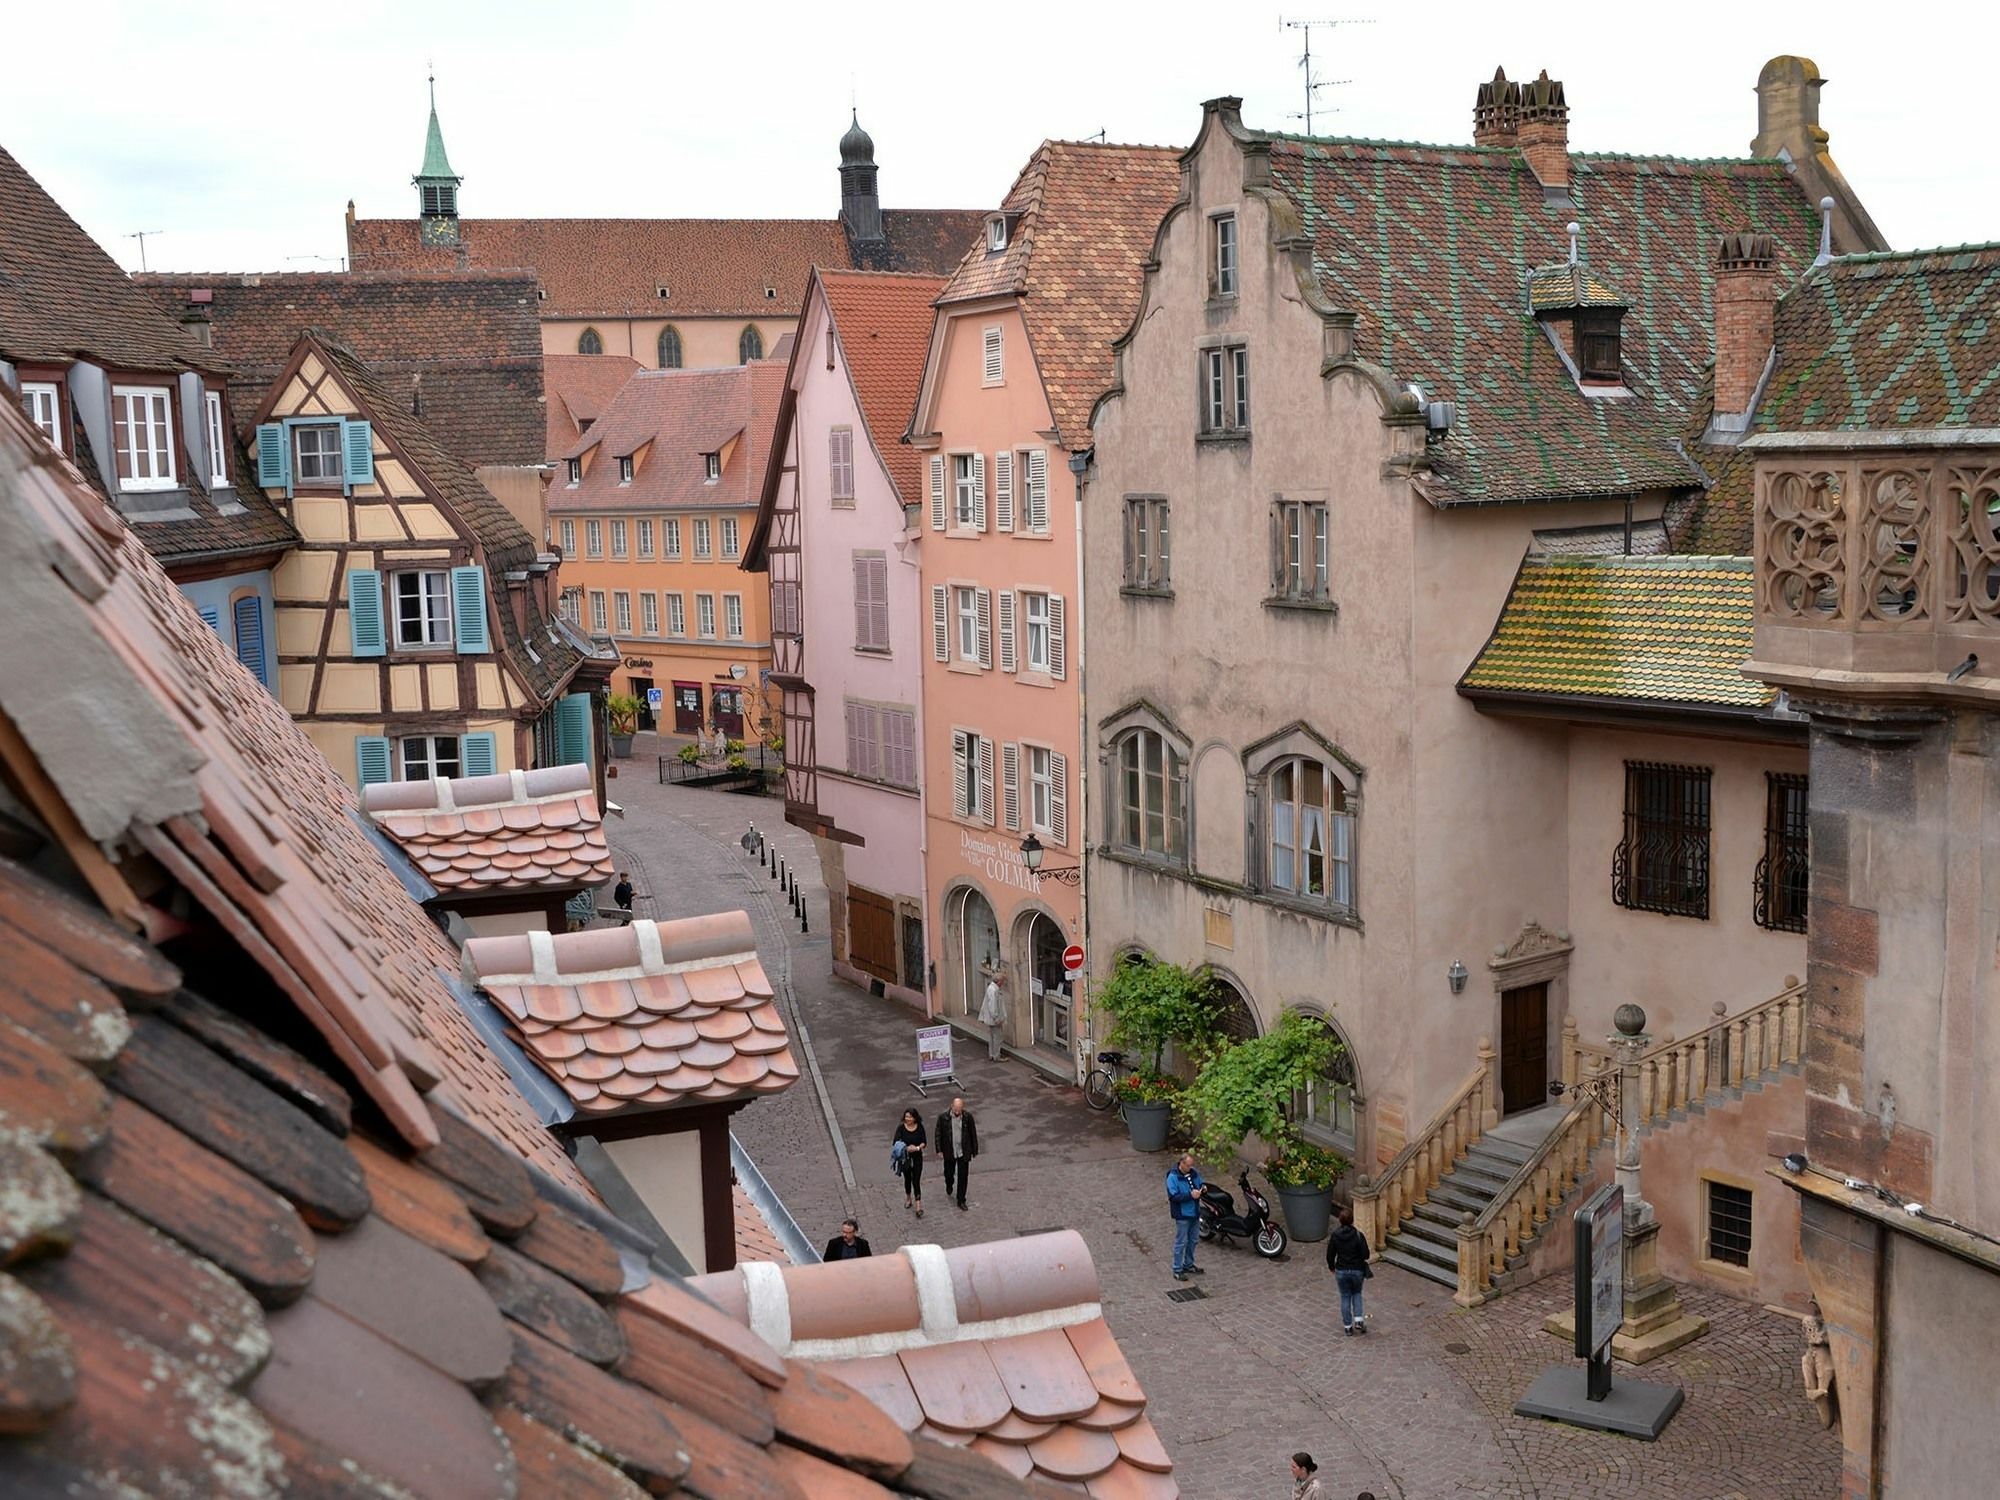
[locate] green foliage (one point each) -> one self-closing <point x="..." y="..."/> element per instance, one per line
<point x="624" y="711"/>
<point x="1300" y="1164"/>
<point x="690" y="754"/>
<point x="1152" y="1004"/>
<point x="738" y="763"/>
<point x="1147" y="1088"/>
<point x="734" y="747"/>
<point x="1249" y="1087"/>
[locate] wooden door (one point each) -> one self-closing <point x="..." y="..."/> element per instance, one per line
<point x="687" y="707"/>
<point x="1524" y="1048"/>
<point x="871" y="934"/>
<point x="728" y="705"/>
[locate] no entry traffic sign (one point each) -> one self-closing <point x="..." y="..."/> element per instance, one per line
<point x="1072" y="958"/>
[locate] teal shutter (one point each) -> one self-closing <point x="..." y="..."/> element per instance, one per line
<point x="364" y="611"/>
<point x="478" y="755"/>
<point x="212" y="620"/>
<point x="573" y="725"/>
<point x="358" y="443"/>
<point x="250" y="636"/>
<point x="274" y="470"/>
<point x="468" y="608"/>
<point x="371" y="759"/>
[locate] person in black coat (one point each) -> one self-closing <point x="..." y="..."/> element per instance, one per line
<point x="958" y="1143"/>
<point x="848" y="1244"/>
<point x="910" y="1135"/>
<point x="1347" y="1257"/>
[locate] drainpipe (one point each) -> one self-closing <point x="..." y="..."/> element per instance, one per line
<point x="1079" y="465"/>
<point x="1628" y="525"/>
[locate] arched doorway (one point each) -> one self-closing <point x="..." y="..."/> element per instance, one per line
<point x="979" y="947"/>
<point x="1048" y="986"/>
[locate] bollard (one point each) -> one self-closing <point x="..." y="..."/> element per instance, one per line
<point x="802" y="919"/>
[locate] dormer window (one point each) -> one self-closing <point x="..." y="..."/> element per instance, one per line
<point x="996" y="234"/>
<point x="1597" y="345"/>
<point x="575" y="472"/>
<point x="624" y="471"/>
<point x="711" y="464"/>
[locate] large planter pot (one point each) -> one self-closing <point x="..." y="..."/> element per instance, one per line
<point x="621" y="746"/>
<point x="1148" y="1124"/>
<point x="1308" y="1211"/>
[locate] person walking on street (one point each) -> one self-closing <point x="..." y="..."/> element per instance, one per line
<point x="622" y="892"/>
<point x="1305" y="1478"/>
<point x="1184" y="1187"/>
<point x="1347" y="1258"/>
<point x="910" y="1136"/>
<point x="848" y="1244"/>
<point x="992" y="1013"/>
<point x="958" y="1143"/>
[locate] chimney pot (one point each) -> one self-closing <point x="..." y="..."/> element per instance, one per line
<point x="1745" y="310"/>
<point x="1496" y="112"/>
<point x="1543" y="135"/>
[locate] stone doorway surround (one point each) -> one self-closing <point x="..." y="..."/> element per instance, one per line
<point x="1535" y="956"/>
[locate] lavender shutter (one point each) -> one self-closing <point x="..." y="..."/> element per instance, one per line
<point x="853" y="738"/>
<point x="1003" y="492"/>
<point x="862" y="614"/>
<point x="986" y="780"/>
<point x="878" y="602"/>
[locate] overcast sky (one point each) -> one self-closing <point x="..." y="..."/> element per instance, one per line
<point x="240" y="131"/>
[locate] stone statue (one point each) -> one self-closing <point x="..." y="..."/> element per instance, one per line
<point x="1817" y="1365"/>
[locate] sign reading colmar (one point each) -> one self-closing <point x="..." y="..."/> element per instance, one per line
<point x="997" y="860"/>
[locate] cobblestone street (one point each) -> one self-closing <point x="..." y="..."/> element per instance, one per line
<point x="1238" y="1380"/>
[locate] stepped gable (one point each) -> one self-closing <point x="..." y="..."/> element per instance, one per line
<point x="1433" y="247"/>
<point x="999" y="1348"/>
<point x="482" y="835"/>
<point x="581" y="388"/>
<point x="643" y="1016"/>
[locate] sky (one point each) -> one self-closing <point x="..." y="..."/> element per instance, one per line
<point x="236" y="133"/>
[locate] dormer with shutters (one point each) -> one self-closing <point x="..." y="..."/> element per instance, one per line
<point x="398" y="646"/>
<point x="1583" y="318"/>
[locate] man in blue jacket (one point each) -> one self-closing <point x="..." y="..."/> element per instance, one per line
<point x="1184" y="1202"/>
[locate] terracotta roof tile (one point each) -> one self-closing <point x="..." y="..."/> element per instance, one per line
<point x="884" y="326"/>
<point x="676" y="417"/>
<point x="555" y="834"/>
<point x="580" y="390"/>
<point x="644" y="1016"/>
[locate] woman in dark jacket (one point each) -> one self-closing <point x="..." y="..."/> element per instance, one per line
<point x="1347" y="1258"/>
<point x="911" y="1135"/>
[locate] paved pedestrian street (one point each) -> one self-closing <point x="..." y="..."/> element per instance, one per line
<point x="1256" y="1368"/>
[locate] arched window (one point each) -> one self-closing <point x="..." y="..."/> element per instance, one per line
<point x="670" y="348"/>
<point x="589" y="342"/>
<point x="1149" y="808"/>
<point x="1310" y="838"/>
<point x="1234" y="1017"/>
<point x="1324" y="1109"/>
<point x="750" y="345"/>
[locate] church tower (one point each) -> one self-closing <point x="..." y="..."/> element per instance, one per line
<point x="437" y="187"/>
<point x="860" y="204"/>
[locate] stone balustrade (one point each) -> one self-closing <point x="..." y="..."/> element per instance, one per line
<point x="1385" y="1200"/>
<point x="1521" y="1209"/>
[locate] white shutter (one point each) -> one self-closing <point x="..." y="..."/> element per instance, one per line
<point x="958" y="781"/>
<point x="1003" y="491"/>
<point x="878" y="603"/>
<point x="979" y="492"/>
<point x="985" y="601"/>
<point x="1038" y="490"/>
<point x="1059" y="799"/>
<point x="986" y="780"/>
<point x="1058" y="652"/>
<point x="994" y="368"/>
<point x="862" y="614"/>
<point x="940" y="623"/>
<point x="1010" y="784"/>
<point x="1007" y="662"/>
<point x="937" y="492"/>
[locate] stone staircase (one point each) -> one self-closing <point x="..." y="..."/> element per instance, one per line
<point x="1426" y="1243"/>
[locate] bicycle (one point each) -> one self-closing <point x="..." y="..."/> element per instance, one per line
<point x="1100" y="1083"/>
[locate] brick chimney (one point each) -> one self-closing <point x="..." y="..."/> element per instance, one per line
<point x="1544" y="132"/>
<point x="1496" y="112"/>
<point x="1746" y="284"/>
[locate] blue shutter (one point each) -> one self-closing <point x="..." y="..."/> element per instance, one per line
<point x="250" y="636"/>
<point x="468" y="608"/>
<point x="358" y="443"/>
<point x="274" y="469"/>
<point x="364" y="611"/>
<point x="573" y="726"/>
<point x="478" y="755"/>
<point x="212" y="620"/>
<point x="371" y="759"/>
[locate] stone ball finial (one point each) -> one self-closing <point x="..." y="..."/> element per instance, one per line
<point x="1629" y="1020"/>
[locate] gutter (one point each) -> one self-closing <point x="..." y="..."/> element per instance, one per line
<point x="771" y="1206"/>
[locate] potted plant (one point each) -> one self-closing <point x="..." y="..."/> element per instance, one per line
<point x="1303" y="1176"/>
<point x="738" y="763"/>
<point x="690" y="755"/>
<point x="1244" y="1090"/>
<point x="624" y="711"/>
<point x="1152" y="1005"/>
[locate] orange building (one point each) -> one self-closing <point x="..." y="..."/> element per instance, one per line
<point x="650" y="508"/>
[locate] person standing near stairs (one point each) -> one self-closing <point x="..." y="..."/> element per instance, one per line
<point x="1347" y="1258"/>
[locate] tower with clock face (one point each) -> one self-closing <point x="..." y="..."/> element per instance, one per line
<point x="437" y="187"/>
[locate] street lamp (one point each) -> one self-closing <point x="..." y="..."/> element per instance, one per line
<point x="1032" y="854"/>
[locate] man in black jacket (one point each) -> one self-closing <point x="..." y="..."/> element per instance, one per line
<point x="848" y="1244"/>
<point x="958" y="1142"/>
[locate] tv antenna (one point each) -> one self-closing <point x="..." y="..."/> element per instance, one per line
<point x="141" y="235"/>
<point x="1313" y="83"/>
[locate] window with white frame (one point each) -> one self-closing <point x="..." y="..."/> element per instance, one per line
<point x="1035" y="651"/>
<point x="625" y="470"/>
<point x="704" y="616"/>
<point x="428" y="755"/>
<point x="218" y="439"/>
<point x="701" y="546"/>
<point x="645" y="538"/>
<point x="617" y="538"/>
<point x="992" y="368"/>
<point x="1301" y="553"/>
<point x="731" y="543"/>
<point x="1225" y="390"/>
<point x="569" y="539"/>
<point x="575" y="472"/>
<point x="711" y="467"/>
<point x="1041" y="788"/>
<point x="1032" y="465"/>
<point x="649" y="614"/>
<point x="1309" y="833"/>
<point x="964" y="489"/>
<point x="996" y="234"/>
<point x="967" y="603"/>
<point x="732" y="616"/>
<point x="316" y="449"/>
<point x="676" y="615"/>
<point x="41" y="401"/>
<point x="423" y="608"/>
<point x="840" y="462"/>
<point x="1150" y="813"/>
<point x="143" y="437"/>
<point x="671" y="535"/>
<point x="571" y="604"/>
<point x="621" y="604"/>
<point x="600" y="620"/>
<point x="1225" y="255"/>
<point x="1148" y="553"/>
<point x="971" y="776"/>
<point x="593" y="538"/>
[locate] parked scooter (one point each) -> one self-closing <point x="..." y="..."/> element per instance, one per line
<point x="1221" y="1221"/>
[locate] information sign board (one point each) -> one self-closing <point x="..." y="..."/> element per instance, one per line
<point x="1600" y="1270"/>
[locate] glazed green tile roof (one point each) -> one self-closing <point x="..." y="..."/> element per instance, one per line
<point x="1866" y="343"/>
<point x="1430" y="246"/>
<point x="1642" y="630"/>
<point x="1569" y="285"/>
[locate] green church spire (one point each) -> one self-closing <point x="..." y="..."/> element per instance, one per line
<point x="436" y="166"/>
<point x="437" y="186"/>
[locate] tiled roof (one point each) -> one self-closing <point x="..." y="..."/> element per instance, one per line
<point x="755" y="1238"/>
<point x="1642" y="630"/>
<point x="1647" y="539"/>
<point x="1885" y="342"/>
<point x="483" y="835"/>
<point x="921" y="241"/>
<point x="463" y="349"/>
<point x="884" y="325"/>
<point x="1568" y="285"/>
<point x="643" y="1016"/>
<point x="580" y="388"/>
<point x="62" y="297"/>
<point x="682" y="414"/>
<point x="1000" y="1347"/>
<point x="1429" y="247"/>
<point x="1083" y="218"/>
